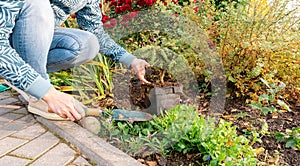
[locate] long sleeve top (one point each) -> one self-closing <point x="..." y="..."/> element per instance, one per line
<point x="19" y="73"/>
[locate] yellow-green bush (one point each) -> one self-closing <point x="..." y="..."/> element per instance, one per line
<point x="255" y="40"/>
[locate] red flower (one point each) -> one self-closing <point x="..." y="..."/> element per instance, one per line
<point x="105" y="18"/>
<point x="165" y="3"/>
<point x="113" y="3"/>
<point x="119" y="3"/>
<point x="128" y="2"/>
<point x="141" y="3"/>
<point x="73" y="15"/>
<point x="113" y="22"/>
<point x="211" y="44"/>
<point x="127" y="7"/>
<point x="107" y="26"/>
<point x="196" y="9"/>
<point x="118" y="10"/>
<point x="175" y="1"/>
<point x="149" y="2"/>
<point x="133" y="14"/>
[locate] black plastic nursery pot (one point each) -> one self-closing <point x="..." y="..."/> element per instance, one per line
<point x="163" y="98"/>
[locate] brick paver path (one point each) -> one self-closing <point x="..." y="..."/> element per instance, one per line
<point x="23" y="141"/>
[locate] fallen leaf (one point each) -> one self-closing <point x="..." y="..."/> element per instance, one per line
<point x="295" y="148"/>
<point x="274" y="160"/>
<point x="262" y="163"/>
<point x="228" y="117"/>
<point x="189" y="156"/>
<point x="283" y="111"/>
<point x="274" y="115"/>
<point x="151" y="163"/>
<point x="157" y="156"/>
<point x="234" y="110"/>
<point x="289" y="119"/>
<point x="259" y="151"/>
<point x="229" y="143"/>
<point x="141" y="161"/>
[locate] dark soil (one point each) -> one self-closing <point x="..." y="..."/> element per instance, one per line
<point x="276" y="123"/>
<point x="131" y="94"/>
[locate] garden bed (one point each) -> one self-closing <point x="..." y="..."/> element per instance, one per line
<point x="249" y="122"/>
<point x="248" y="119"/>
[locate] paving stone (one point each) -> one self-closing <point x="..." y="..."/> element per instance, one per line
<point x="17" y="131"/>
<point x="11" y="116"/>
<point x="81" y="161"/>
<point x="21" y="111"/>
<point x="90" y="145"/>
<point x="3" y="121"/>
<point x="13" y="161"/>
<point x="59" y="155"/>
<point x="8" y="101"/>
<point x="6" y="118"/>
<point x="28" y="119"/>
<point x="8" y="144"/>
<point x="5" y="110"/>
<point x="4" y="95"/>
<point x="10" y="129"/>
<point x="37" y="146"/>
<point x="30" y="132"/>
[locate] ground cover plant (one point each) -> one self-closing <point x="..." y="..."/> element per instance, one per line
<point x="257" y="44"/>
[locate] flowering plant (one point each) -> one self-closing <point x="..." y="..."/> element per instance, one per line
<point x="112" y="8"/>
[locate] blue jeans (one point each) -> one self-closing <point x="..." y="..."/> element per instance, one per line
<point x="46" y="48"/>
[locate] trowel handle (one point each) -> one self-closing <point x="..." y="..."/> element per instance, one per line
<point x="92" y="111"/>
<point x="89" y="111"/>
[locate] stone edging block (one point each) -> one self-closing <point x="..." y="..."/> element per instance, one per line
<point x="90" y="145"/>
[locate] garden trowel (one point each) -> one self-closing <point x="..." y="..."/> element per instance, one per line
<point x="120" y="114"/>
<point x="117" y="114"/>
<point x="37" y="106"/>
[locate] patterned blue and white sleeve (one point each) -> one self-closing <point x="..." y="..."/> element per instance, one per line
<point x="89" y="19"/>
<point x="12" y="66"/>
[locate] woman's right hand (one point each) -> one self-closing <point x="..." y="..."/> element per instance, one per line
<point x="63" y="105"/>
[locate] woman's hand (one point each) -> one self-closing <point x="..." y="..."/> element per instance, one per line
<point x="139" y="66"/>
<point x="63" y="105"/>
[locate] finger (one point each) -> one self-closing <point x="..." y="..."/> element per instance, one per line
<point x="141" y="76"/>
<point x="79" y="108"/>
<point x="70" y="115"/>
<point x="75" y="114"/>
<point x="147" y="64"/>
<point x="142" y="79"/>
<point x="69" y="111"/>
<point x="59" y="113"/>
<point x="63" y="115"/>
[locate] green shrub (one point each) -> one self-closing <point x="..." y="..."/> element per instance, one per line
<point x="290" y="137"/>
<point x="181" y="129"/>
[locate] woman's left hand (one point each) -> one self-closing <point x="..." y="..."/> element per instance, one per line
<point x="139" y="66"/>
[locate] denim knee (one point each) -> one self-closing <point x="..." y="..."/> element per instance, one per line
<point x="71" y="47"/>
<point x="41" y="10"/>
<point x="83" y="45"/>
<point x="91" y="48"/>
